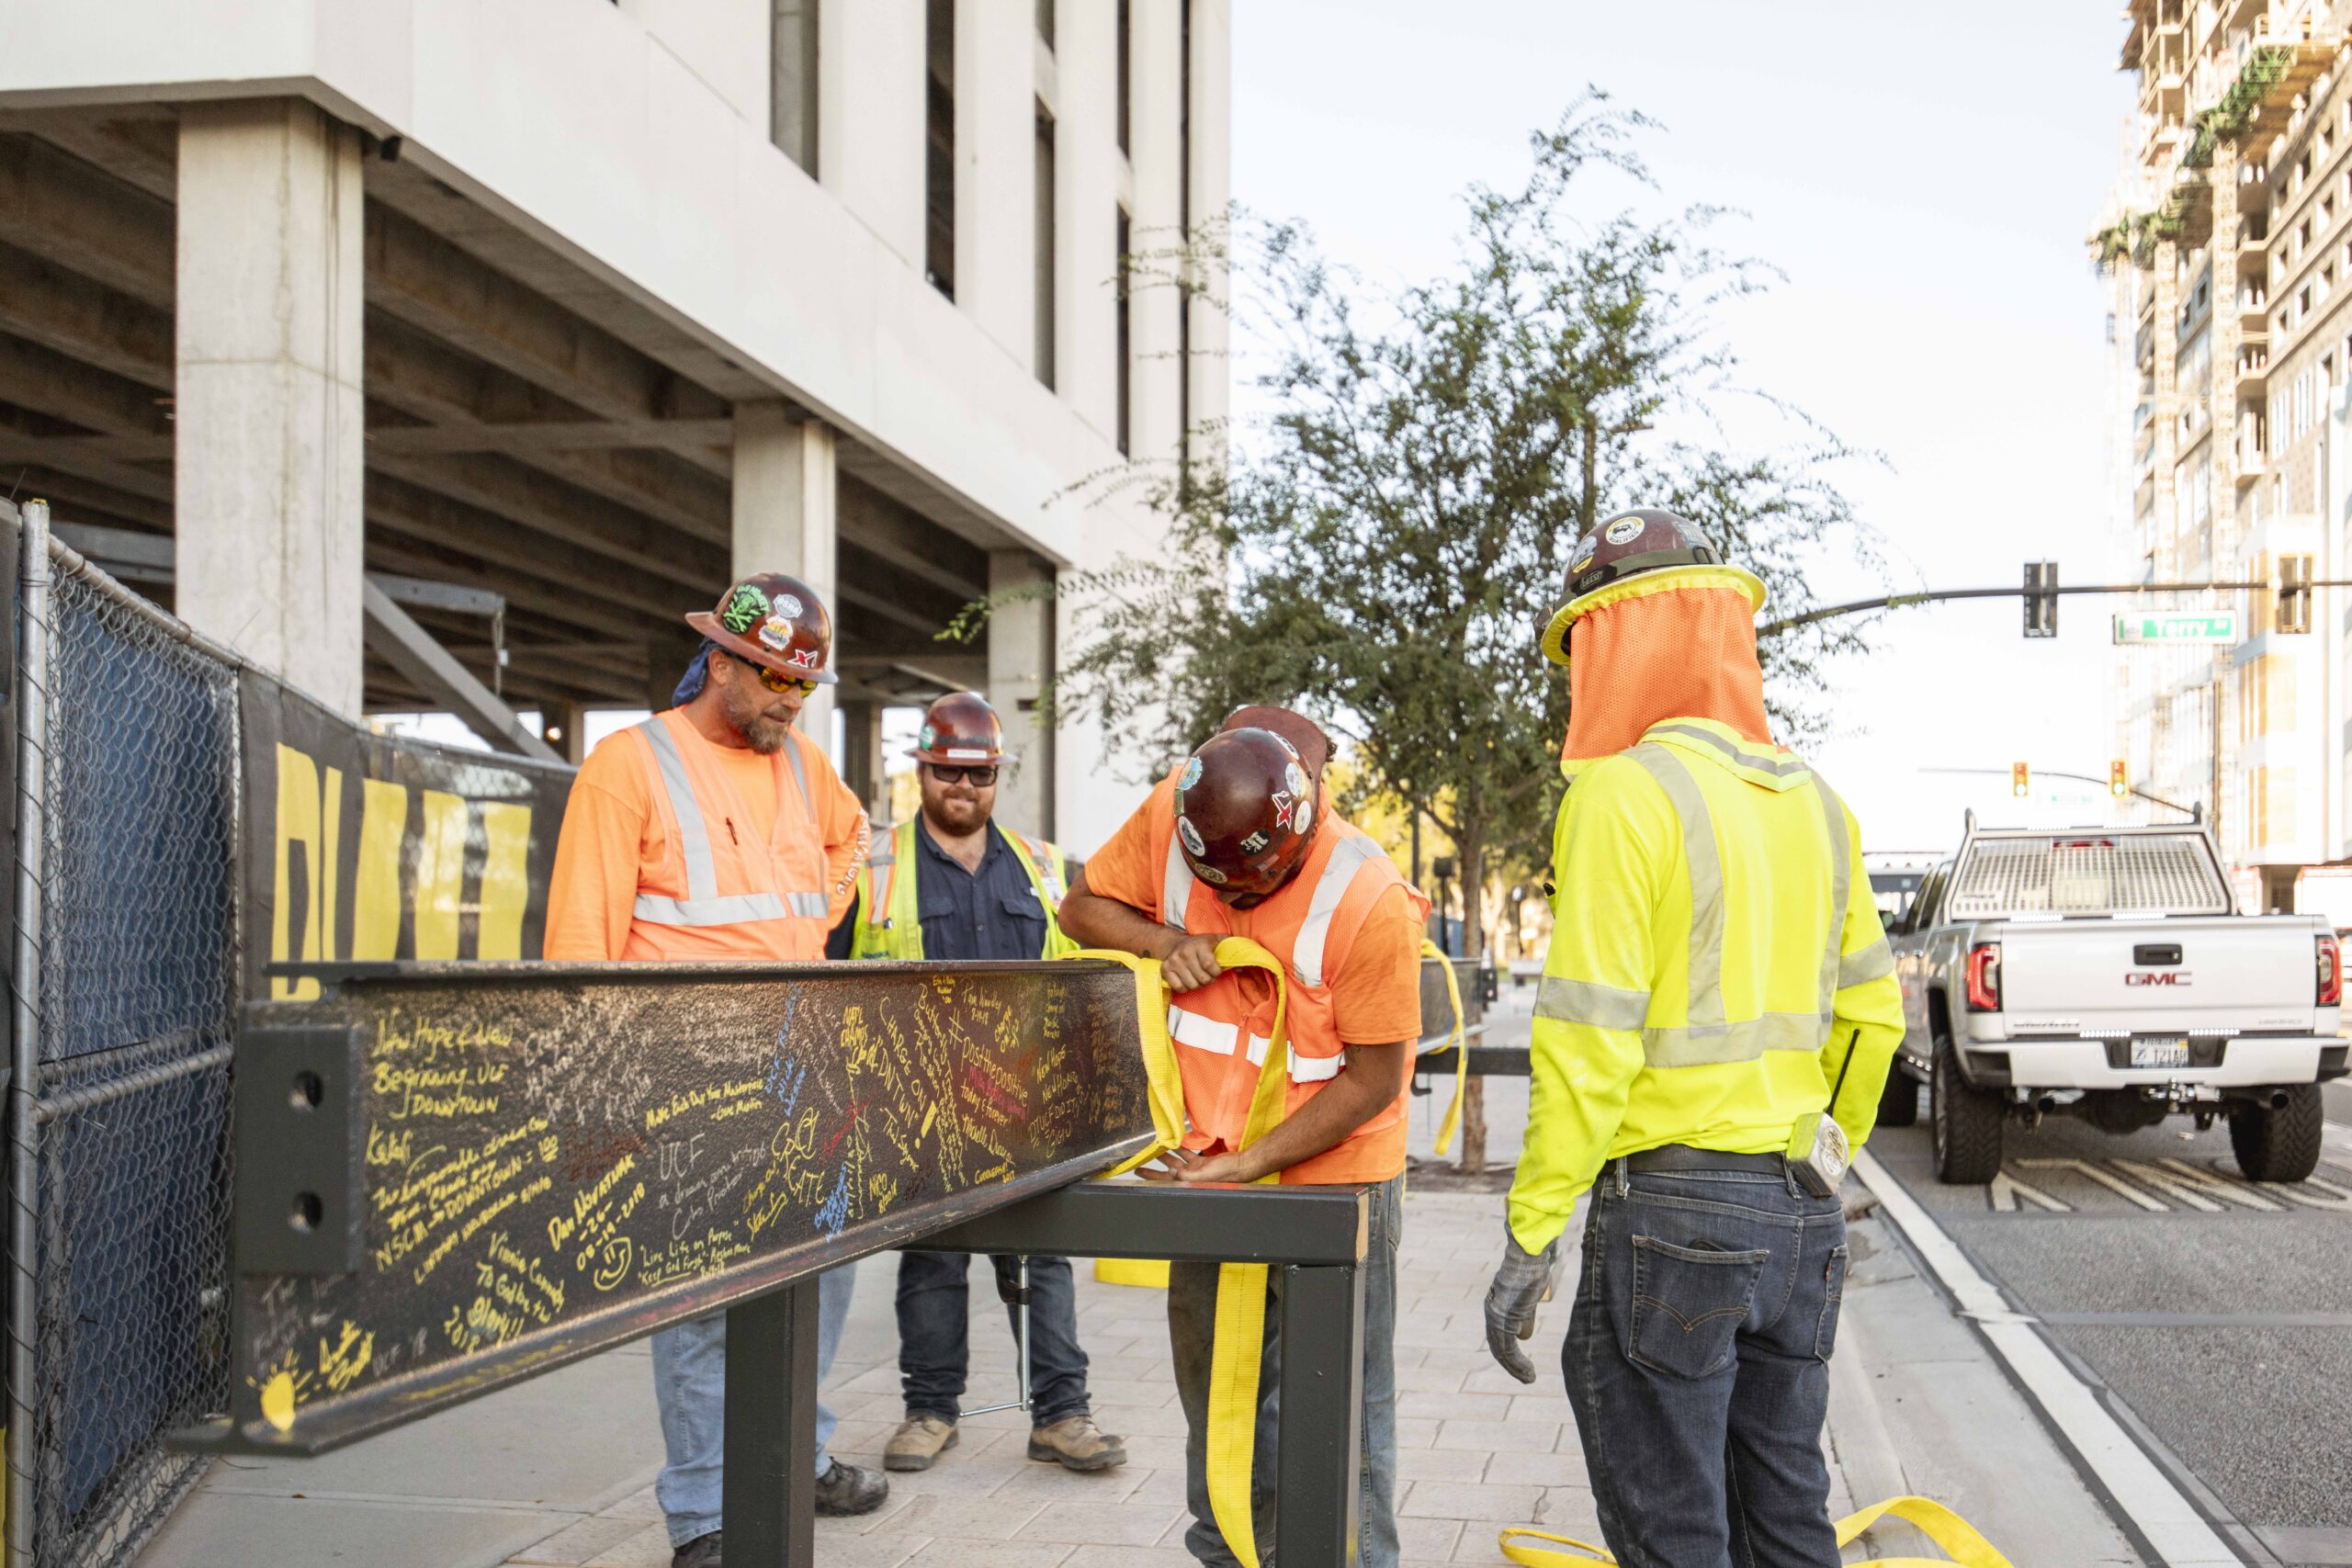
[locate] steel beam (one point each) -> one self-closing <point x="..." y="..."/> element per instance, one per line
<point x="1322" y="1226"/>
<point x="768" y="1491"/>
<point x="410" y="648"/>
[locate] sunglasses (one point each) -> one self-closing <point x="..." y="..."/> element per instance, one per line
<point x="982" y="777"/>
<point x="781" y="683"/>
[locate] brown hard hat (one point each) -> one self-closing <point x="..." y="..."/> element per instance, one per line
<point x="1306" y="737"/>
<point x="1633" y="544"/>
<point x="960" y="728"/>
<point x="774" y="620"/>
<point x="1245" y="811"/>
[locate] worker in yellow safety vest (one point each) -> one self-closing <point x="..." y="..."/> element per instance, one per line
<point x="959" y="754"/>
<point x="955" y="884"/>
<point x="1716" y="1017"/>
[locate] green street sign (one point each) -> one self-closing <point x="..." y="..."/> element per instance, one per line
<point x="2176" y="626"/>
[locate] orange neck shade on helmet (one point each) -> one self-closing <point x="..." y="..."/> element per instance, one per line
<point x="1687" y="652"/>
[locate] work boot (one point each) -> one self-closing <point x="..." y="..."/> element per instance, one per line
<point x="919" y="1440"/>
<point x="700" y="1552"/>
<point x="846" y="1489"/>
<point x="1075" y="1442"/>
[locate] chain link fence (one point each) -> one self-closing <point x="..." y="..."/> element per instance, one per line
<point x="126" y="995"/>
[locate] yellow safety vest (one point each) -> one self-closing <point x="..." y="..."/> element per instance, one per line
<point x="1716" y="965"/>
<point x="898" y="933"/>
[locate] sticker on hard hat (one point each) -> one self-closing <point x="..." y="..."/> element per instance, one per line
<point x="1303" y="820"/>
<point x="1209" y="874"/>
<point x="1283" y="741"/>
<point x="776" y="632"/>
<point x="1285" y="801"/>
<point x="743" y="608"/>
<point x="1255" y="841"/>
<point x="929" y="737"/>
<point x="1625" y="530"/>
<point x="1295" y="776"/>
<point x="1192" y="774"/>
<point x="1190" y="835"/>
<point x="1584" y="558"/>
<point x="788" y="606"/>
<point x="966" y="754"/>
<point x="803" y="659"/>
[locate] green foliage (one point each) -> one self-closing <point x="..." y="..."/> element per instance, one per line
<point x="1385" y="551"/>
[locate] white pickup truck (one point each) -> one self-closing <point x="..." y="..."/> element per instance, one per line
<point x="2101" y="973"/>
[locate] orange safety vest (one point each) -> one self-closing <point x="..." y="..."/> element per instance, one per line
<point x="1221" y="1030"/>
<point x="717" y="896"/>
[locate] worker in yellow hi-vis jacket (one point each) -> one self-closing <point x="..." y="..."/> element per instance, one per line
<point x="1716" y="1019"/>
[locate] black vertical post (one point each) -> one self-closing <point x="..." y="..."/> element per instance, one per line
<point x="768" y="1501"/>
<point x="1320" y="1450"/>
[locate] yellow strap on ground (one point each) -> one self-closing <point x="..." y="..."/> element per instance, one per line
<point x="1240" y="1286"/>
<point x="1959" y="1539"/>
<point x="1459" y="1040"/>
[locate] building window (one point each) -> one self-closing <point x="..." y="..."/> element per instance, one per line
<point x="1045" y="243"/>
<point x="1125" y="342"/>
<point x="1045" y="21"/>
<point x="792" y="75"/>
<point x="1126" y="92"/>
<point x="939" y="160"/>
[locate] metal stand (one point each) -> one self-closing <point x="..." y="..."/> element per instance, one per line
<point x="1013" y="1289"/>
<point x="768" y="1499"/>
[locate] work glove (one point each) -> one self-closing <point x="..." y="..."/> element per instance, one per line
<point x="1523" y="1281"/>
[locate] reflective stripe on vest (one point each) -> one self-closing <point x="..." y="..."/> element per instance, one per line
<point x="703" y="905"/>
<point x="1707" y="1037"/>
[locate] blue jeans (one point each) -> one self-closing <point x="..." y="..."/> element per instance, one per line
<point x="1191" y="1334"/>
<point x="690" y="1385"/>
<point x="934" y="1313"/>
<point x="1698" y="1366"/>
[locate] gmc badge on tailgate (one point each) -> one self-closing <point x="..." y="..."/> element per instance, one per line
<point x="2156" y="977"/>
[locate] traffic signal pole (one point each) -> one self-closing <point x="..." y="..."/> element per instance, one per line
<point x="1938" y="596"/>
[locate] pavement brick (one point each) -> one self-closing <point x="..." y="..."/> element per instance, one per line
<point x="1103" y="1524"/>
<point x="1413" y="1433"/>
<point x="1455" y="1405"/>
<point x="1440" y="1465"/>
<point x="1471" y="1500"/>
<point x="880" y="1551"/>
<point x="970" y="1518"/>
<point x="1430" y="1538"/>
<point x="995" y="1554"/>
<point x="1521" y="1467"/>
<point x="1569" y="1510"/>
<point x="1525" y="1437"/>
<point x="649" y="1548"/>
<point x="580" y="1542"/>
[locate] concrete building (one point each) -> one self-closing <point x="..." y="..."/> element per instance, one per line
<point x="2229" y="251"/>
<point x="389" y="342"/>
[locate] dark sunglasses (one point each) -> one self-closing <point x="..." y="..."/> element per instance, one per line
<point x="982" y="777"/>
<point x="780" y="683"/>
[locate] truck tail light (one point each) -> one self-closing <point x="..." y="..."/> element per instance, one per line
<point x="2331" y="972"/>
<point x="1985" y="977"/>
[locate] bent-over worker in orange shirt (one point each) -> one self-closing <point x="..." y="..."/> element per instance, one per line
<point x="717" y="831"/>
<point x="1241" y="841"/>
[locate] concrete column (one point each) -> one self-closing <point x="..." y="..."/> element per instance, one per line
<point x="1155" y="148"/>
<point x="870" y="116"/>
<point x="269" y="415"/>
<point x="1209" y="370"/>
<point x="861" y="753"/>
<point x="1086" y="225"/>
<point x="783" y="518"/>
<point x="564" y="726"/>
<point x="996" y="170"/>
<point x="1021" y="660"/>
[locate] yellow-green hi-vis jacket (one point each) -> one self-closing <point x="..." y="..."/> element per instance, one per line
<point x="1716" y="959"/>
<point x="888" y="927"/>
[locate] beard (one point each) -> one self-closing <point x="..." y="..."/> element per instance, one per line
<point x="747" y="715"/>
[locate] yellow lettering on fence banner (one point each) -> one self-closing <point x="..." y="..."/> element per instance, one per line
<point x="376" y="896"/>
<point x="298" y="823"/>
<point x="441" y="875"/>
<point x="505" y="879"/>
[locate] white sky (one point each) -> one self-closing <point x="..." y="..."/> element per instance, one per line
<point x="1925" y="177"/>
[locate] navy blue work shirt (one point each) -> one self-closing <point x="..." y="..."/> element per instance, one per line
<point x="966" y="915"/>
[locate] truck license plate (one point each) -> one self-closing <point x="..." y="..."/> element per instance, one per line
<point x="2160" y="1053"/>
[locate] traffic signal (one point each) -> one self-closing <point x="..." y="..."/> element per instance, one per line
<point x="2294" y="613"/>
<point x="2118" y="778"/>
<point x="2041" y="599"/>
<point x="2021" y="780"/>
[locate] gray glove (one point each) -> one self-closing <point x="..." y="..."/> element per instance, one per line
<point x="1524" y="1279"/>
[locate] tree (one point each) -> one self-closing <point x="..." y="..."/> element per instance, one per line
<point x="1384" y="549"/>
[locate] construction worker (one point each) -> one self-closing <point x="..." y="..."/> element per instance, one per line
<point x="953" y="883"/>
<point x="1717" y="1013"/>
<point x="715" y="832"/>
<point x="1241" y="841"/>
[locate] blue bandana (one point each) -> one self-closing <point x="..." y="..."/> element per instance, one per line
<point x="691" y="684"/>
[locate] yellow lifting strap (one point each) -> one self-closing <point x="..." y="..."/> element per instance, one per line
<point x="1459" y="1040"/>
<point x="1240" y="1286"/>
<point x="1947" y="1530"/>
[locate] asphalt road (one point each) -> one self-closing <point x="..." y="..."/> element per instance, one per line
<point x="2218" y="1312"/>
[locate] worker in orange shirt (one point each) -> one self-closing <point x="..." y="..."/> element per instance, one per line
<point x="1241" y="841"/>
<point x="715" y="832"/>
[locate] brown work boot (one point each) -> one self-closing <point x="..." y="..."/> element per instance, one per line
<point x="919" y="1440"/>
<point x="1075" y="1442"/>
<point x="846" y="1489"/>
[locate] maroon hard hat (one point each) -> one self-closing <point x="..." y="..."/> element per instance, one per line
<point x="1633" y="544"/>
<point x="960" y="728"/>
<point x="1245" y="811"/>
<point x="774" y="620"/>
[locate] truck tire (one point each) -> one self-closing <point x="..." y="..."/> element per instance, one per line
<point x="1967" y="1124"/>
<point x="2282" y="1145"/>
<point x="1898" y="1103"/>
